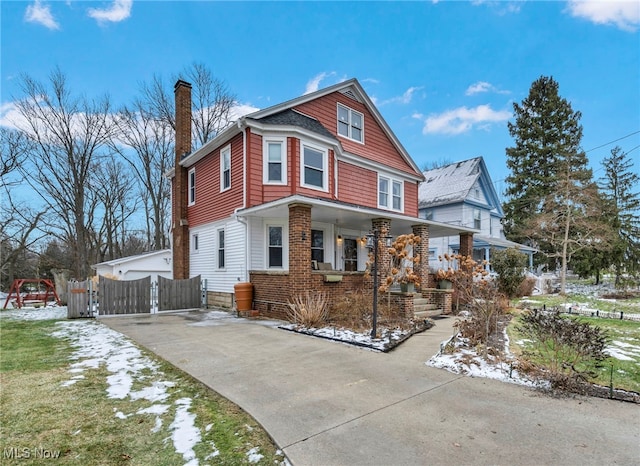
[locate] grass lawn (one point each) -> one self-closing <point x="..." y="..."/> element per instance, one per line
<point x="623" y="341"/>
<point x="628" y="306"/>
<point x="41" y="415"/>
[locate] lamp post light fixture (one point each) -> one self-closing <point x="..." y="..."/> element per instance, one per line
<point x="373" y="240"/>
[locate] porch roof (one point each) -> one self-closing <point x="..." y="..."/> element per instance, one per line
<point x="350" y="216"/>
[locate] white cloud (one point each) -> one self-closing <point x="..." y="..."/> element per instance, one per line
<point x="119" y="11"/>
<point x="624" y="14"/>
<point x="39" y="13"/>
<point x="314" y="84"/>
<point x="463" y="119"/>
<point x="483" y="86"/>
<point x="240" y="110"/>
<point x="401" y="99"/>
<point x="10" y="116"/>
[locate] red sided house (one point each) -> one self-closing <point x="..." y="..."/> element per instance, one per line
<point x="285" y="197"/>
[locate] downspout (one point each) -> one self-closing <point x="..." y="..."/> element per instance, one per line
<point x="242" y="220"/>
<point x="241" y="127"/>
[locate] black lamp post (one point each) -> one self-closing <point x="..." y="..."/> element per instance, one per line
<point x="372" y="242"/>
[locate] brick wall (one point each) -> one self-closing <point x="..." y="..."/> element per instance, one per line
<point x="182" y="91"/>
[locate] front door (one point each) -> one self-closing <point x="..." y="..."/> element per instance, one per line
<point x="350" y="255"/>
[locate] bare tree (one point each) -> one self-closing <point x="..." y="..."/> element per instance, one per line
<point x="146" y="143"/>
<point x="115" y="189"/>
<point x="571" y="219"/>
<point x="69" y="133"/>
<point x="212" y="102"/>
<point x="19" y="222"/>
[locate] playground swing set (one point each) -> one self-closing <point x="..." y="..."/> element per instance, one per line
<point x="37" y="293"/>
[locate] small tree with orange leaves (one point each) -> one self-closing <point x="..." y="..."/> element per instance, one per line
<point x="402" y="258"/>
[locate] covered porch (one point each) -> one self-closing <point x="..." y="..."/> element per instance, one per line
<point x="301" y="244"/>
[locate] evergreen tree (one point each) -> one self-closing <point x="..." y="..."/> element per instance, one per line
<point x="623" y="212"/>
<point x="547" y="132"/>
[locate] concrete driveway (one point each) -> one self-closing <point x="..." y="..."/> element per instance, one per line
<point x="326" y="403"/>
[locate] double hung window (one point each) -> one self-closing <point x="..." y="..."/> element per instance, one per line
<point x="314" y="167"/>
<point x="192" y="186"/>
<point x="225" y="168"/>
<point x="275" y="164"/>
<point x="275" y="246"/>
<point x="389" y="193"/>
<point x="350" y="123"/>
<point x="221" y="249"/>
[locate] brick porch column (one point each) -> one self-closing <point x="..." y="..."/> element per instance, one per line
<point x="422" y="268"/>
<point x="466" y="244"/>
<point x="299" y="248"/>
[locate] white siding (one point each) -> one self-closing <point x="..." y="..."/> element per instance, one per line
<point x="448" y="214"/>
<point x="204" y="262"/>
<point x="258" y="242"/>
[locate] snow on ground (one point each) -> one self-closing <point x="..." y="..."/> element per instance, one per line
<point x="51" y="311"/>
<point x="97" y="345"/>
<point x="623" y="351"/>
<point x="349" y="336"/>
<point x="455" y="356"/>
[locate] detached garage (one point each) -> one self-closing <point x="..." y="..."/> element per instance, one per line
<point x="154" y="264"/>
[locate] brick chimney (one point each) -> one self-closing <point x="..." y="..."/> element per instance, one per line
<point x="180" y="223"/>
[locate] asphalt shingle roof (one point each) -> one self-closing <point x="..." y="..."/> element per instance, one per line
<point x="290" y="117"/>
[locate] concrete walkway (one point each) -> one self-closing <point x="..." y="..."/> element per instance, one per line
<point x="326" y="403"/>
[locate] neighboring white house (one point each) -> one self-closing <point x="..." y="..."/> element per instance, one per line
<point x="462" y="194"/>
<point x="154" y="263"/>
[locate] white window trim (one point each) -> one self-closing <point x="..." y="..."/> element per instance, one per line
<point x="285" y="245"/>
<point x="351" y="111"/>
<point x="191" y="188"/>
<point x="325" y="165"/>
<point x="223" y="151"/>
<point x="223" y="249"/>
<point x="195" y="243"/>
<point x="390" y="181"/>
<point x="265" y="159"/>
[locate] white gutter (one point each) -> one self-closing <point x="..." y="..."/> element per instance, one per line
<point x="241" y="126"/>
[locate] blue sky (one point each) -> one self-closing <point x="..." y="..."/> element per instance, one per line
<point x="443" y="74"/>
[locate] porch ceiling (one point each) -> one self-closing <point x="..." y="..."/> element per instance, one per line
<point x="351" y="217"/>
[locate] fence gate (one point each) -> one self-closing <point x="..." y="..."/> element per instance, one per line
<point x="124" y="297"/>
<point x="79" y="302"/>
<point x="179" y="294"/>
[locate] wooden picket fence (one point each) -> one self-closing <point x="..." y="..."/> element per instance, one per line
<point x="79" y="299"/>
<point x="179" y="294"/>
<point x="124" y="297"/>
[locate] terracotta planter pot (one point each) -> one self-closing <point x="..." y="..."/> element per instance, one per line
<point x="244" y="296"/>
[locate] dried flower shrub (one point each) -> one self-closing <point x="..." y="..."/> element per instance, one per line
<point x="402" y="259"/>
<point x="309" y="310"/>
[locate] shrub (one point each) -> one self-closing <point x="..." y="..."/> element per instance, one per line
<point x="510" y="265"/>
<point x="480" y="295"/>
<point x="354" y="311"/>
<point x="526" y="287"/>
<point x="567" y="351"/>
<point x="309" y="310"/>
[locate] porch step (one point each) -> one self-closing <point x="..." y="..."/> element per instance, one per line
<point x="422" y="308"/>
<point x="427" y="313"/>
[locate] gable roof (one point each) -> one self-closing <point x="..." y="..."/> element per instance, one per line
<point x="452" y="183"/>
<point x="144" y="255"/>
<point x="354" y="90"/>
<point x="284" y="114"/>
